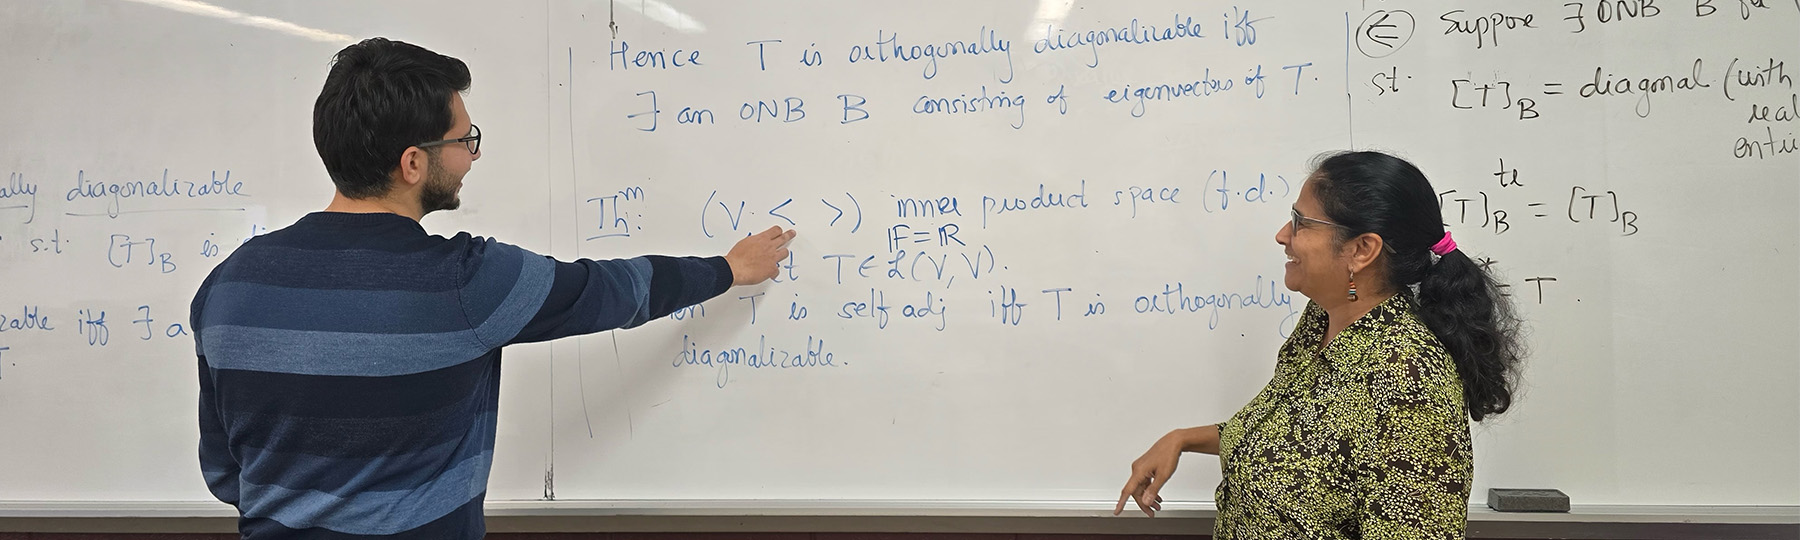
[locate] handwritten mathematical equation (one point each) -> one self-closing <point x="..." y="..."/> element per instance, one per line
<point x="936" y="218"/>
<point x="1384" y="32"/>
<point x="980" y="44"/>
<point x="1770" y="113"/>
<point x="89" y="325"/>
<point x="1579" y="205"/>
<point x="1762" y="91"/>
<point x="125" y="251"/>
<point x="654" y="111"/>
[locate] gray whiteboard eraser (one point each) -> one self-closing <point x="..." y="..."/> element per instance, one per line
<point x="1527" y="500"/>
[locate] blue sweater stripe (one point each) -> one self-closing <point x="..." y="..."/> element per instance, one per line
<point x="400" y="396"/>
<point x="432" y="267"/>
<point x="526" y="289"/>
<point x="492" y="275"/>
<point x="370" y="512"/>
<point x="322" y="310"/>
<point x="305" y="352"/>
<point x="346" y="476"/>
<point x="265" y="424"/>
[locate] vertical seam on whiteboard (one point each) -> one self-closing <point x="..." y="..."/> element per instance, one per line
<point x="580" y="359"/>
<point x="550" y="474"/>
<point x="580" y="368"/>
<point x="1349" y="102"/>
<point x="619" y="363"/>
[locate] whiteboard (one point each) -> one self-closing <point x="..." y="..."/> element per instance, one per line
<point x="1034" y="235"/>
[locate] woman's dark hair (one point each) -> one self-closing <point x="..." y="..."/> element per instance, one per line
<point x="1372" y="192"/>
<point x="380" y="98"/>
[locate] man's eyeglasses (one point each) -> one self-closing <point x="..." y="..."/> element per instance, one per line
<point x="473" y="141"/>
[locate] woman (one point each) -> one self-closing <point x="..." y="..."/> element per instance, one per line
<point x="1363" y="432"/>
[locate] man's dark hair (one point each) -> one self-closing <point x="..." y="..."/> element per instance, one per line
<point x="380" y="98"/>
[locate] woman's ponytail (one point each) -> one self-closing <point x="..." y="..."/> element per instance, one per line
<point x="1462" y="303"/>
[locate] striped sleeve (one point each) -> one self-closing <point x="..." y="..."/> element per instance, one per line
<point x="217" y="466"/>
<point x="593" y="296"/>
<point x="506" y="285"/>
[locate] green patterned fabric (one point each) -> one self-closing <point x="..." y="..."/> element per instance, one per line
<point x="1367" y="437"/>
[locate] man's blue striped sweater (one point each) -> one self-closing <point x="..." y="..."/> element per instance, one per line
<point x="350" y="366"/>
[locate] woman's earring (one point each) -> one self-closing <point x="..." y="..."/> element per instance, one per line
<point x="1352" y="285"/>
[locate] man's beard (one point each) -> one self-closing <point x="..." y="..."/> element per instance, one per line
<point x="439" y="192"/>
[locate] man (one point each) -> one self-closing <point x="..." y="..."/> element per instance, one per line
<point x="350" y="363"/>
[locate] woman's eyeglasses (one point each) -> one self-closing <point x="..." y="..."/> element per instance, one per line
<point x="1300" y="221"/>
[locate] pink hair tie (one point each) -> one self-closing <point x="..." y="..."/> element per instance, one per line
<point x="1445" y="246"/>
